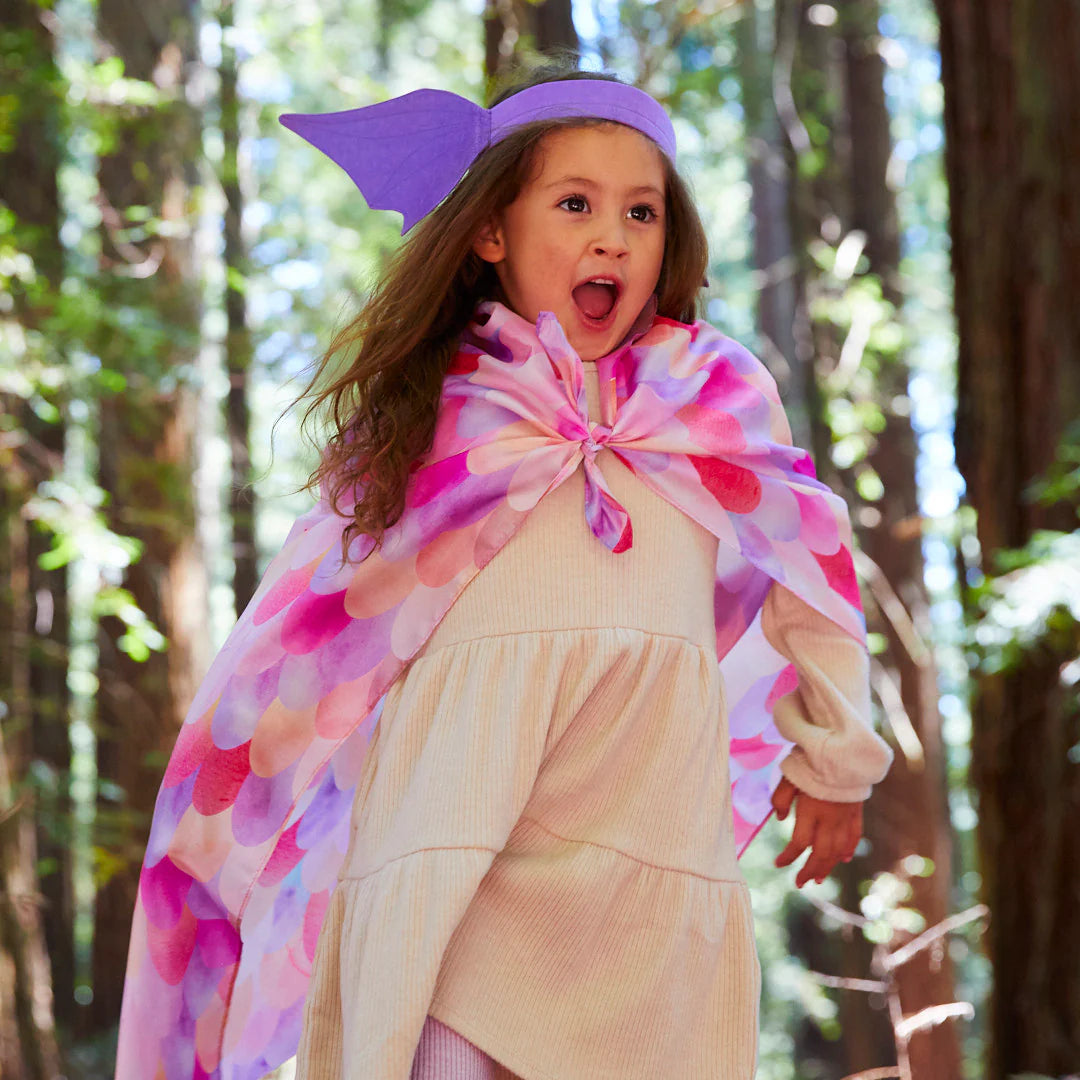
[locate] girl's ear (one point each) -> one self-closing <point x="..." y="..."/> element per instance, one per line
<point x="489" y="244"/>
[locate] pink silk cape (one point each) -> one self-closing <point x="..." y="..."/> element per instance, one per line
<point x="252" y="820"/>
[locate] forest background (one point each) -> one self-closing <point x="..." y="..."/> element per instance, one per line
<point x="894" y="228"/>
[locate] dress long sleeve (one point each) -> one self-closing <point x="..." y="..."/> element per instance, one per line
<point x="837" y="754"/>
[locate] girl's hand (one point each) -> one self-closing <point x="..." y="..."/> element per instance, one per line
<point x="831" y="829"/>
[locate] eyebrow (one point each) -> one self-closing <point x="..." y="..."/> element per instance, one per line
<point x="585" y="181"/>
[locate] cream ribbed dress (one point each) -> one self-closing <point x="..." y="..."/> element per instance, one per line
<point x="542" y="854"/>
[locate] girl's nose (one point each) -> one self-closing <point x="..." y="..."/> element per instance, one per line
<point x="612" y="241"/>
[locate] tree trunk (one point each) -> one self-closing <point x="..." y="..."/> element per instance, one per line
<point x="836" y="77"/>
<point x="35" y="863"/>
<point x="773" y="258"/>
<point x="514" y="27"/>
<point x="238" y="345"/>
<point x="909" y="812"/>
<point x="145" y="458"/>
<point x="808" y="71"/>
<point x="48" y="631"/>
<point x="784" y="328"/>
<point x="28" y="1049"/>
<point x="1012" y="124"/>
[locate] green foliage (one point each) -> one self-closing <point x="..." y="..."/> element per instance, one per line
<point x="141" y="636"/>
<point x="1061" y="482"/>
<point x="848" y="304"/>
<point x="106" y="864"/>
<point x="97" y="95"/>
<point x="1030" y="599"/>
<point x="1032" y="603"/>
<point x="811" y="163"/>
<point x="883" y="904"/>
<point x="69" y="513"/>
<point x="43" y="366"/>
<point x="868" y="484"/>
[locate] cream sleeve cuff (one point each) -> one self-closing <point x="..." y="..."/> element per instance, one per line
<point x="837" y="754"/>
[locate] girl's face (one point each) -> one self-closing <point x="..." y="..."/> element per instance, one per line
<point x="593" y="212"/>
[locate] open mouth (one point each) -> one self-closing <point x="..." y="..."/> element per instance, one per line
<point x="597" y="298"/>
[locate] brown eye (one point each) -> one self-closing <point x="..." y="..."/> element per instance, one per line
<point x="650" y="213"/>
<point x="577" y="199"/>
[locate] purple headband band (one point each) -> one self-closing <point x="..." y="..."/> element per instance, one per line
<point x="408" y="153"/>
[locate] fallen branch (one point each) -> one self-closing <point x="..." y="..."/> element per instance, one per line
<point x="928" y="937"/>
<point x="934" y="1015"/>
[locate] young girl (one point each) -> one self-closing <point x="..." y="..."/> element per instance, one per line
<point x="494" y="817"/>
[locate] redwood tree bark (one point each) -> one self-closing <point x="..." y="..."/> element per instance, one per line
<point x="28" y="1047"/>
<point x="36" y="944"/>
<point x="773" y="258"/>
<point x="145" y="460"/>
<point x="909" y="812"/>
<point x="836" y="84"/>
<point x="238" y="344"/>
<point x="1012" y="125"/>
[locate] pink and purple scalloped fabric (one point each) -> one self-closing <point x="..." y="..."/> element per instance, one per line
<point x="252" y="819"/>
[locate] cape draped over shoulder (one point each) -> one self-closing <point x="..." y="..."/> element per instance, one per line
<point x="252" y="820"/>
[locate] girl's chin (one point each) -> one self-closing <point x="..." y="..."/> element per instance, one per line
<point x="593" y="350"/>
<point x="590" y="338"/>
<point x="593" y="338"/>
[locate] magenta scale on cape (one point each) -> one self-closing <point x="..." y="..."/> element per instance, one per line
<point x="252" y="821"/>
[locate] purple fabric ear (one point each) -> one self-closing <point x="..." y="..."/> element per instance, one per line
<point x="408" y="153"/>
<point x="404" y="154"/>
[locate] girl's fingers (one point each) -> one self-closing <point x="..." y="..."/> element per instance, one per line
<point x="790" y="853"/>
<point x="820" y="862"/>
<point x="814" y="868"/>
<point x="801" y="838"/>
<point x="831" y="840"/>
<point x="782" y="797"/>
<point x="854" y="836"/>
<point x="831" y="831"/>
<point x="818" y="867"/>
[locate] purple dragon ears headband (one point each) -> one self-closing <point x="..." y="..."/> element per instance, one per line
<point x="408" y="153"/>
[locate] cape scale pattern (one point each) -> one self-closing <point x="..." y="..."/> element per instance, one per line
<point x="252" y="820"/>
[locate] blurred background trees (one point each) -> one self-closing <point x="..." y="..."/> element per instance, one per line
<point x="1012" y="125"/>
<point x="894" y="230"/>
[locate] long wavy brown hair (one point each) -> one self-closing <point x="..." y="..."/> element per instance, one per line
<point x="380" y="407"/>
